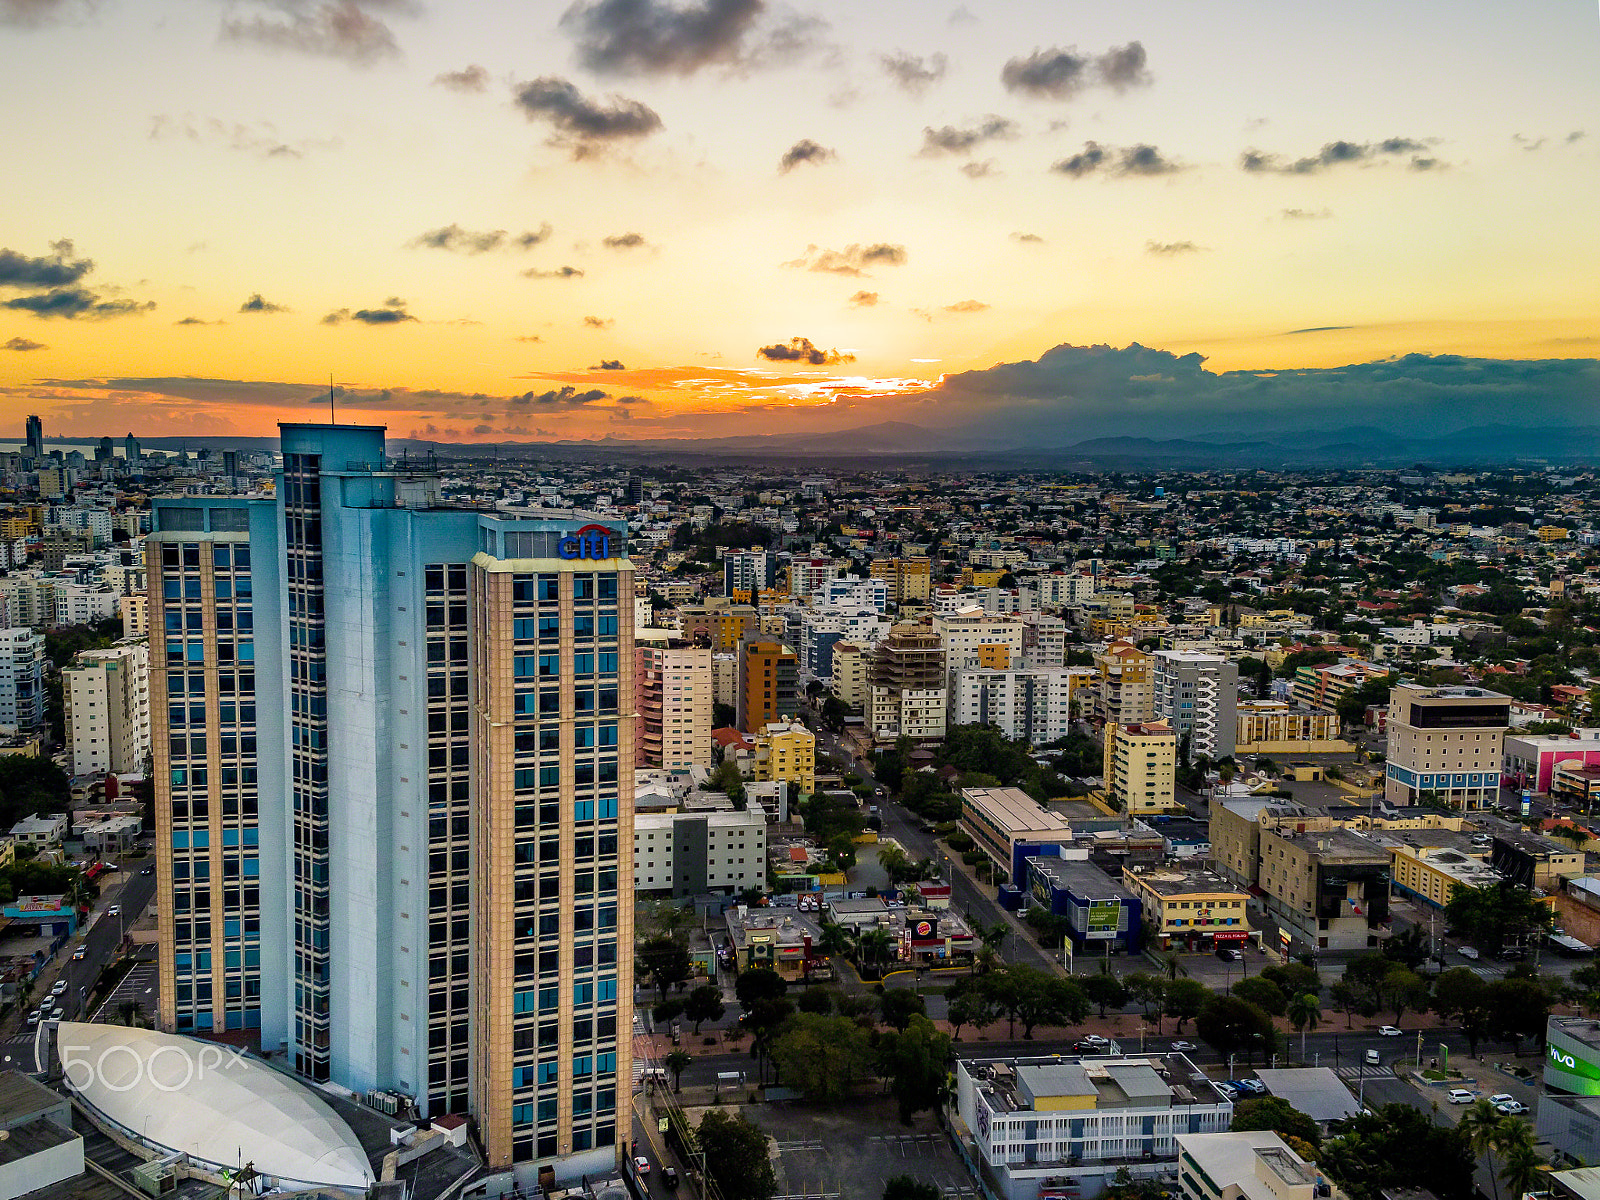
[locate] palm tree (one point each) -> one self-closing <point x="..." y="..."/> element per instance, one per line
<point x="1484" y="1130"/>
<point x="1173" y="965"/>
<point x="676" y="1062"/>
<point x="875" y="945"/>
<point x="895" y="862"/>
<point x="835" y="939"/>
<point x="1523" y="1171"/>
<point x="1304" y="1014"/>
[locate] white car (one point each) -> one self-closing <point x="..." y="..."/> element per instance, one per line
<point x="1500" y="1098"/>
<point x="1094" y="1039"/>
<point x="1467" y="952"/>
<point x="58" y="987"/>
<point x="1372" y="1059"/>
<point x="1511" y="1108"/>
<point x="1460" y="1096"/>
<point x="114" y="910"/>
<point x="1388" y="1031"/>
<point x="1181" y="1046"/>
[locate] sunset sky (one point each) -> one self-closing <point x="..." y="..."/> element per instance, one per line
<point x="496" y="221"/>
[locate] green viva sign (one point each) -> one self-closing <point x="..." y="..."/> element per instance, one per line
<point x="1569" y="1063"/>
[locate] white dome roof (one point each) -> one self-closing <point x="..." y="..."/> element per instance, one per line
<point x="208" y="1102"/>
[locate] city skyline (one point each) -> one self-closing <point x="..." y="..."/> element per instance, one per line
<point x="635" y="219"/>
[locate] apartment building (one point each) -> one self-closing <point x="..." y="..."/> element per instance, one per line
<point x="394" y="745"/>
<point x="1140" y="769"/>
<point x="1044" y="640"/>
<point x="854" y="593"/>
<point x="673" y="688"/>
<point x="849" y="679"/>
<point x="695" y="854"/>
<point x="786" y="751"/>
<point x="106" y="696"/>
<point x="1033" y="705"/>
<point x="1448" y="742"/>
<point x="909" y="579"/>
<point x="1324" y="685"/>
<point x="1197" y="694"/>
<point x="768" y="685"/>
<point x="906" y="688"/>
<point x="1276" y="727"/>
<point x="1054" y="1127"/>
<point x="721" y="626"/>
<point x="1125" y="693"/>
<point x="748" y="571"/>
<point x="973" y="638"/>
<point x="21" y="681"/>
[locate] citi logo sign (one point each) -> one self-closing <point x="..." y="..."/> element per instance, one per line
<point x="592" y="541"/>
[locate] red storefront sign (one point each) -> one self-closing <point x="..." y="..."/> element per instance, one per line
<point x="1230" y="935"/>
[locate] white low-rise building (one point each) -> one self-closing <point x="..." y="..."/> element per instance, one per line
<point x="694" y="853"/>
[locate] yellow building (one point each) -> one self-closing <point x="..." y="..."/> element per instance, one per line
<point x="909" y="579"/>
<point x="1429" y="872"/>
<point x="849" y="681"/>
<point x="1140" y="767"/>
<point x="1273" y="727"/>
<point x="994" y="656"/>
<point x="1552" y="533"/>
<point x="1125" y="690"/>
<point x="788" y="751"/>
<point x="981" y="577"/>
<point x="1195" y="907"/>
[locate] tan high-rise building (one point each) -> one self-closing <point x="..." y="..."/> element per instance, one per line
<point x="910" y="580"/>
<point x="906" y="690"/>
<point x="1446" y="741"/>
<point x="1127" y="693"/>
<point x="106" y="695"/>
<point x="673" y="683"/>
<point x="787" y="751"/>
<point x="719" y="624"/>
<point x="849" y="681"/>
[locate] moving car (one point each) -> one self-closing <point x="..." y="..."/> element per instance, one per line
<point x="57" y="1013"/>
<point x="58" y="987"/>
<point x="1460" y="1096"/>
<point x="114" y="911"/>
<point x="77" y="955"/>
<point x="1181" y="1046"/>
<point x="1467" y="952"/>
<point x="669" y="1176"/>
<point x="1388" y="1031"/>
<point x="641" y="1164"/>
<point x="33" y="1018"/>
<point x="148" y="871"/>
<point x="1094" y="1039"/>
<point x="1372" y="1059"/>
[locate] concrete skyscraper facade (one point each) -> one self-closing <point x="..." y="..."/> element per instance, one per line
<point x="400" y="801"/>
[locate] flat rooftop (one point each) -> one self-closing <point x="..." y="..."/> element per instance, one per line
<point x="1013" y="809"/>
<point x="1080" y="877"/>
<point x="1174" y="881"/>
<point x="1140" y="1081"/>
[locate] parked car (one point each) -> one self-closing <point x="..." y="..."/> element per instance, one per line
<point x="641" y="1164"/>
<point x="1372" y="1059"/>
<point x="1511" y="1108"/>
<point x="1253" y="1086"/>
<point x="1460" y="1096"/>
<point x="1227" y="955"/>
<point x="1467" y="952"/>
<point x="1500" y="1098"/>
<point x="1513" y="954"/>
<point x="1388" y="1031"/>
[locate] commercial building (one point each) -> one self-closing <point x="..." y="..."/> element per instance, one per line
<point x="1033" y="705"/>
<point x="786" y="751"/>
<point x="769" y="684"/>
<point x="21" y="681"/>
<point x="694" y="854"/>
<point x="1568" y="1114"/>
<point x="1254" y="1165"/>
<point x="906" y="689"/>
<point x="106" y="697"/>
<point x="909" y="579"/>
<point x="1446" y="742"/>
<point x="1329" y="890"/>
<point x="1530" y="859"/>
<point x="1126" y="691"/>
<point x="1276" y="727"/>
<point x="1531" y="762"/>
<point x="394" y="746"/>
<point x="1003" y="821"/>
<point x="673" y="690"/>
<point x="1428" y="872"/>
<point x="1102" y="914"/>
<point x="1197" y="695"/>
<point x="1192" y="907"/>
<point x="1140" y="769"/>
<point x="1063" y="1127"/>
<point x="38" y="1146"/>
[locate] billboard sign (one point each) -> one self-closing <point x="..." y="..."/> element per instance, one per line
<point x="1569" y="1066"/>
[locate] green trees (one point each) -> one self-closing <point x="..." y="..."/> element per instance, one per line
<point x="1492" y="1133"/>
<point x="704" y="1003"/>
<point x="1184" y="999"/>
<point x="904" y="1187"/>
<point x="31" y="787"/>
<point x="874" y="947"/>
<point x="1103" y="991"/>
<point x="900" y="1005"/>
<point x="1398" y="1146"/>
<point x="758" y="983"/>
<point x="823" y="1056"/>
<point x="1496" y="914"/>
<point x="1264" y="994"/>
<point x="916" y="1061"/>
<point x="736" y="1157"/>
<point x="1234" y="1026"/>
<point x="1277" y="1115"/>
<point x="664" y="960"/>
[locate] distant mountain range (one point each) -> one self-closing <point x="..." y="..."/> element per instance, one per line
<point x="895" y="441"/>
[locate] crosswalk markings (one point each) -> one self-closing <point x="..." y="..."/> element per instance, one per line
<point x="1368" y="1073"/>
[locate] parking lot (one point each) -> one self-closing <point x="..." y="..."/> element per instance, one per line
<point x="137" y="986"/>
<point x="851" y="1150"/>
